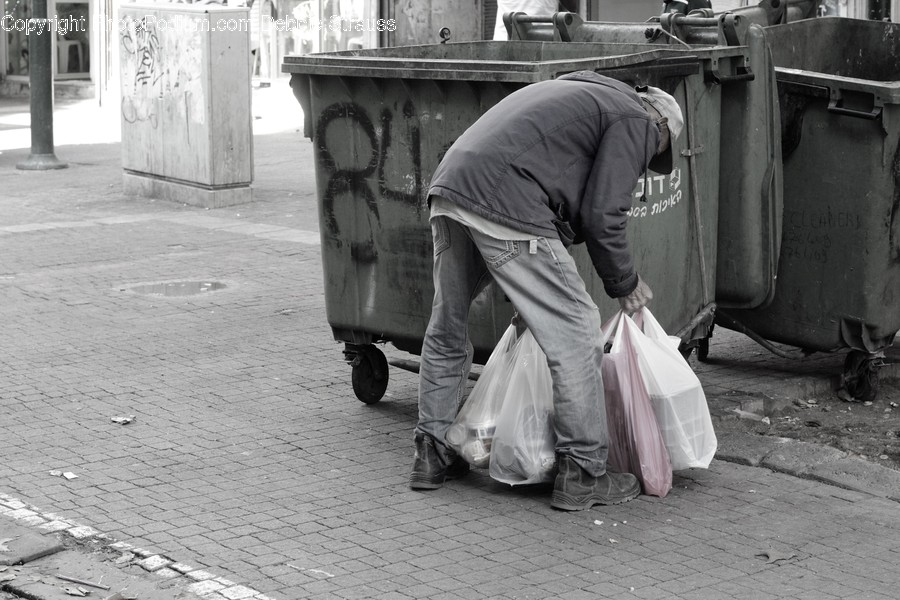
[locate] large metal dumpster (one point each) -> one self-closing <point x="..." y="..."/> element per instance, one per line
<point x="381" y="120"/>
<point x="839" y="272"/>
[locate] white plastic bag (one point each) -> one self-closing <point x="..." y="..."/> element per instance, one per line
<point x="472" y="432"/>
<point x="524" y="445"/>
<point x="676" y="395"/>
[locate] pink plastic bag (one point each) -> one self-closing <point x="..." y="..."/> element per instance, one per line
<point x="635" y="442"/>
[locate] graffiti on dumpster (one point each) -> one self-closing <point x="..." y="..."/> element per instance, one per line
<point x="372" y="162"/>
<point x="662" y="192"/>
<point x="159" y="69"/>
<point x="808" y="234"/>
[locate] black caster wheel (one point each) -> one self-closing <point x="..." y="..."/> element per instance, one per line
<point x="703" y="344"/>
<point x="370" y="374"/>
<point x="703" y="349"/>
<point x="861" y="375"/>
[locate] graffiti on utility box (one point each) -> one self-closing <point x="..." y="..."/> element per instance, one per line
<point x="160" y="70"/>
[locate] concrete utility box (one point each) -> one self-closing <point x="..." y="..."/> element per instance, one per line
<point x="186" y="117"/>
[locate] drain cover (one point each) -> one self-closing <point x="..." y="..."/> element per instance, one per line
<point x="178" y="288"/>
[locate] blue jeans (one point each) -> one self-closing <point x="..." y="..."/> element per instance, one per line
<point x="550" y="296"/>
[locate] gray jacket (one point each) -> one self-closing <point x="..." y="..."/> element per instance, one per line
<point x="558" y="158"/>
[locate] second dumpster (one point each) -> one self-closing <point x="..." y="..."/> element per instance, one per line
<point x="382" y="119"/>
<point x="839" y="269"/>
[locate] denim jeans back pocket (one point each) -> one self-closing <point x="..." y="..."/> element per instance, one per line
<point x="504" y="256"/>
<point x="441" y="234"/>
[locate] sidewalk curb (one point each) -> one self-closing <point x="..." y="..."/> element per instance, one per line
<point x="810" y="461"/>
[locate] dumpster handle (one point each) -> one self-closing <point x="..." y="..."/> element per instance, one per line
<point x="745" y="75"/>
<point x="833" y="107"/>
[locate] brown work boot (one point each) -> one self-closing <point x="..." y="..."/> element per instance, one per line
<point x="574" y="489"/>
<point x="430" y="469"/>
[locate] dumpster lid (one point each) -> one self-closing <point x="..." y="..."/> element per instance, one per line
<point x="513" y="61"/>
<point x="866" y="60"/>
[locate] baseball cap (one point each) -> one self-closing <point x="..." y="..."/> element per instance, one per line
<point x="667" y="107"/>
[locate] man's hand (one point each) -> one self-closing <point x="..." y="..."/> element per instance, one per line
<point x="637" y="299"/>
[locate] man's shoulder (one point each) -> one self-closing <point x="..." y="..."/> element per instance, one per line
<point x="602" y="80"/>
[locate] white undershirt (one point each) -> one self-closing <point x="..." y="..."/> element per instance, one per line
<point x="441" y="207"/>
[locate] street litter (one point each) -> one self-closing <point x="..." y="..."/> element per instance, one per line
<point x="66" y="474"/>
<point x="123" y="420"/>
<point x="83" y="582"/>
<point x="325" y="574"/>
<point x="743" y="414"/>
<point x="77" y="591"/>
<point x="3" y="546"/>
<point x="774" y="556"/>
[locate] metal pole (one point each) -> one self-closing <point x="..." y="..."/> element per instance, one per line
<point x="40" y="77"/>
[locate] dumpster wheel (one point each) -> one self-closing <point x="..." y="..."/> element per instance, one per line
<point x="703" y="348"/>
<point x="370" y="373"/>
<point x="860" y="376"/>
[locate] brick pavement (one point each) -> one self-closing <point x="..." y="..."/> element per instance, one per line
<point x="251" y="464"/>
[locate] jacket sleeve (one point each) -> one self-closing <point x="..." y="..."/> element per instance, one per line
<point x="625" y="148"/>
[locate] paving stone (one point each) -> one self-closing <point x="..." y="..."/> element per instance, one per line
<point x="20" y="544"/>
<point x="82" y="532"/>
<point x="154" y="563"/>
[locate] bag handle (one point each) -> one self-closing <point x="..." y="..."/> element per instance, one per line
<point x="608" y="330"/>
